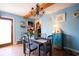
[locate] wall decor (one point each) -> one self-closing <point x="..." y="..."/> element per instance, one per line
<point x="76" y="13"/>
<point x="60" y="17"/>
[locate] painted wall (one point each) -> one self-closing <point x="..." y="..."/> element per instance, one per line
<point x="16" y="21"/>
<point x="70" y="26"/>
<point x="46" y="23"/>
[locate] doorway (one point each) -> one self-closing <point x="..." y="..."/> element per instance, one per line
<point x="6" y="31"/>
<point x="38" y="29"/>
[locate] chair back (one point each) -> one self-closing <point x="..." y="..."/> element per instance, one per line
<point x="49" y="41"/>
<point x="26" y="41"/>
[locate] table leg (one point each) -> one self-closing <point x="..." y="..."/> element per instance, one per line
<point x="39" y="49"/>
<point x="50" y="50"/>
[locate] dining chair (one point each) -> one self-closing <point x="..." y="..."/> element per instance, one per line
<point x="47" y="47"/>
<point x="27" y="44"/>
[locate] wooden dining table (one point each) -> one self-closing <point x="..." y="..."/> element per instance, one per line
<point x="40" y="42"/>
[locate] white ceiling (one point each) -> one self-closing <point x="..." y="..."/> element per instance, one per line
<point x="17" y="8"/>
<point x="57" y="7"/>
<point x="23" y="8"/>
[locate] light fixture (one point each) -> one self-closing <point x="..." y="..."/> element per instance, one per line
<point x="37" y="12"/>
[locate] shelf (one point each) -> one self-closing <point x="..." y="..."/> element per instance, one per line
<point x="22" y="26"/>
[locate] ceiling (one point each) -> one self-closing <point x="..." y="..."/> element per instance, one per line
<point x="23" y="8"/>
<point x="57" y="7"/>
<point x="17" y="8"/>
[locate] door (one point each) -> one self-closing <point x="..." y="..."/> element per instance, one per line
<point x="38" y="29"/>
<point x="5" y="31"/>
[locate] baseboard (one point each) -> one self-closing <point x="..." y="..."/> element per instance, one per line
<point x="76" y="52"/>
<point x="19" y="42"/>
<point x="4" y="45"/>
<point x="56" y="47"/>
<point x="14" y="43"/>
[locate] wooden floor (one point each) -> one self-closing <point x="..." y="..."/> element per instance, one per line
<point x="13" y="50"/>
<point x="17" y="50"/>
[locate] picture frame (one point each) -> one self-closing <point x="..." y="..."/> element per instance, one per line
<point x="60" y="17"/>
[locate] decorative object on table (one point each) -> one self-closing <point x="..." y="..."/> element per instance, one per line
<point x="30" y="28"/>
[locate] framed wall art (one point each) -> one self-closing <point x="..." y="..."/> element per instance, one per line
<point x="60" y="17"/>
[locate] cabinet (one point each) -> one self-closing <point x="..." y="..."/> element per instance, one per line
<point x="57" y="40"/>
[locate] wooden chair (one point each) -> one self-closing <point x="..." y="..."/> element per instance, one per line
<point x="47" y="48"/>
<point x="27" y="44"/>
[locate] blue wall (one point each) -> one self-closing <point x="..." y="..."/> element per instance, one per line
<point x="70" y="26"/>
<point x="17" y="28"/>
<point x="46" y="24"/>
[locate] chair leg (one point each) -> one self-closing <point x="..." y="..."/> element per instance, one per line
<point x="29" y="53"/>
<point x="25" y="54"/>
<point x="24" y="49"/>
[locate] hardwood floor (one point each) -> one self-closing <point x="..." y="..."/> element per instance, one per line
<point x="60" y="52"/>
<point x="13" y="50"/>
<point x="17" y="50"/>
